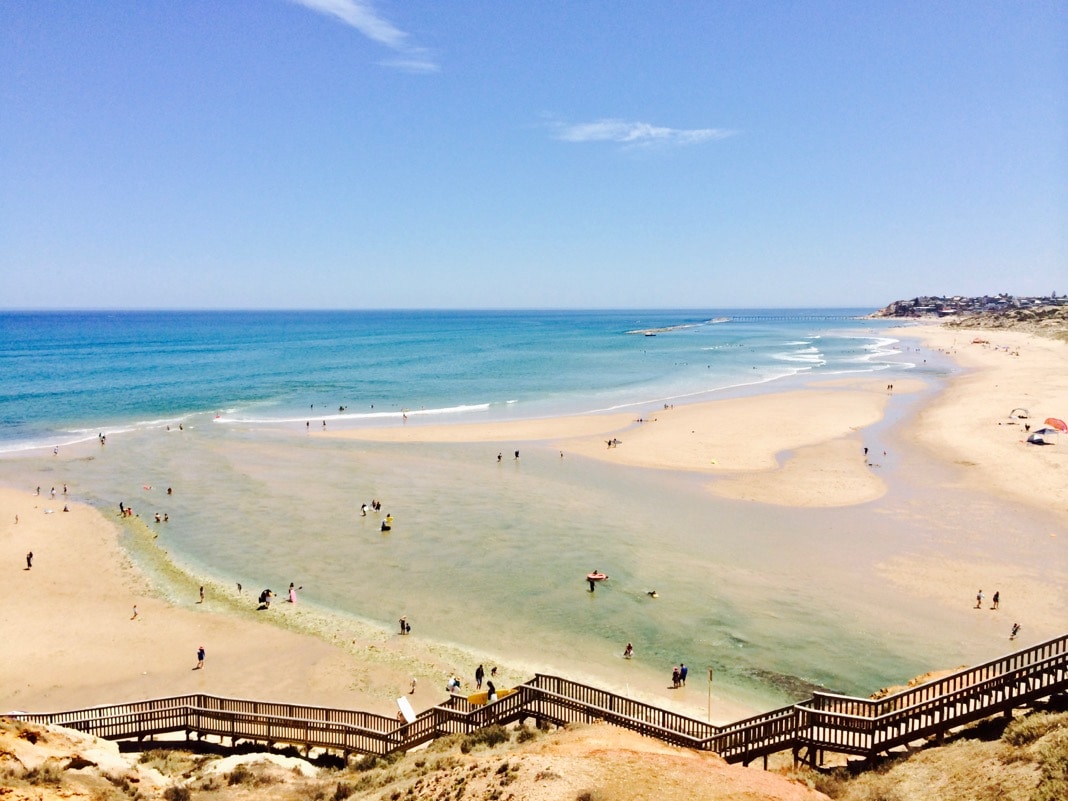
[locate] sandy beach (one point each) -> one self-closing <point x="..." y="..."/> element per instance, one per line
<point x="970" y="424"/>
<point x="794" y="448"/>
<point x="70" y="640"/>
<point x="73" y="640"/>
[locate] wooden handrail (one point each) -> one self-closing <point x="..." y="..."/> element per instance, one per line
<point x="820" y="722"/>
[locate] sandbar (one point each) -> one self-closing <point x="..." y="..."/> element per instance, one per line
<point x="70" y="639"/>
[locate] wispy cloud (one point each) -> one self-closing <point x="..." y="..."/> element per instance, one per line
<point x="637" y="134"/>
<point x="361" y="15"/>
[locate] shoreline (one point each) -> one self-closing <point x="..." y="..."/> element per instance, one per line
<point x="969" y="424"/>
<point x="732" y="441"/>
<point x="265" y="658"/>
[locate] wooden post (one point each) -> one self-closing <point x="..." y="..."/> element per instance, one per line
<point x="709" y="693"/>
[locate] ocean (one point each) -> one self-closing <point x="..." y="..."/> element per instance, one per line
<point x="69" y="375"/>
<point x="486" y="559"/>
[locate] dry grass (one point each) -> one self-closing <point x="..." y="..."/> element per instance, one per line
<point x="1027" y="760"/>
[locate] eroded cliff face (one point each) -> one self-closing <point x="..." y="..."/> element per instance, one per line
<point x="1047" y="321"/>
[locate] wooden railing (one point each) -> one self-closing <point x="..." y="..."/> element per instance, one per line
<point x="825" y="722"/>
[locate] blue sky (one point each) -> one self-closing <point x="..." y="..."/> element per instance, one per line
<point x="417" y="154"/>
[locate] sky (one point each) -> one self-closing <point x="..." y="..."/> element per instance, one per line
<point x="377" y="154"/>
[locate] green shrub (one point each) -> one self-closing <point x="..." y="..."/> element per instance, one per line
<point x="1035" y="726"/>
<point x="1053" y="763"/>
<point x="370" y="761"/>
<point x="48" y="772"/>
<point x="525" y="735"/>
<point x="240" y="775"/>
<point x="489" y="737"/>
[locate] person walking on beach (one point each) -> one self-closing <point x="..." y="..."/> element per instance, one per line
<point x="979" y="599"/>
<point x="675" y="677"/>
<point x="996" y="599"/>
<point x="292" y="593"/>
<point x="134" y="615"/>
<point x="683" y="670"/>
<point x="200" y="658"/>
<point x="29" y="560"/>
<point x="1015" y="631"/>
<point x="480" y="674"/>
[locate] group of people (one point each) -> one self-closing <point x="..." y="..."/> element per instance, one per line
<point x="678" y="675"/>
<point x="376" y="506"/>
<point x="453" y="684"/>
<point x="995" y="603"/>
<point x="267" y="594"/>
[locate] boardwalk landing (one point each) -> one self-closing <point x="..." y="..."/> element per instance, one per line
<point x="825" y="722"/>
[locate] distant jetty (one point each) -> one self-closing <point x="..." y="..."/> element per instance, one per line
<point x="652" y="332"/>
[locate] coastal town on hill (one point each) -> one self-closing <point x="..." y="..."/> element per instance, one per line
<point x="1044" y="316"/>
<point x="942" y="306"/>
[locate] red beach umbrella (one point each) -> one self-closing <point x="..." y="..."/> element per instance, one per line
<point x="1060" y="425"/>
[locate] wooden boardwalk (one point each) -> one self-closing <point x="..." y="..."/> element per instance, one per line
<point x="825" y="722"/>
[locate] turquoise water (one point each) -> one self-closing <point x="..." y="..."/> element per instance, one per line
<point x="71" y="375"/>
<point x="489" y="557"/>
